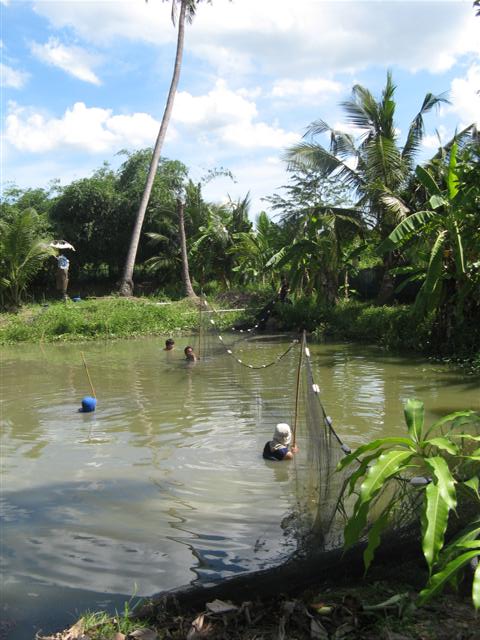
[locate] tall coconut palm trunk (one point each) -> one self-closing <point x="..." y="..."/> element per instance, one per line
<point x="187" y="283"/>
<point x="126" y="283"/>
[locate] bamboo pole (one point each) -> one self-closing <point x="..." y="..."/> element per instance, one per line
<point x="88" y="376"/>
<point x="297" y="393"/>
<point x="200" y="328"/>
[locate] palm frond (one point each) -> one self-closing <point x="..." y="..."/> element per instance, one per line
<point x="416" y="131"/>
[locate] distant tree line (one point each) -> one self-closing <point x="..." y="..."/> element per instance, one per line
<point x="360" y="203"/>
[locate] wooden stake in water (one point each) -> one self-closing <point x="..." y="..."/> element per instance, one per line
<point x="199" y="354"/>
<point x="297" y="393"/>
<point x="88" y="376"/>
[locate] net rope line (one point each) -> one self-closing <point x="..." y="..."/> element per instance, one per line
<point x="267" y="311"/>
<point x="233" y="356"/>
<point x="316" y="390"/>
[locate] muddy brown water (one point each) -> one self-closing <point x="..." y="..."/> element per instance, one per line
<point x="164" y="484"/>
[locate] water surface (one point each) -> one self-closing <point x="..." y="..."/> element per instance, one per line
<point x="164" y="484"/>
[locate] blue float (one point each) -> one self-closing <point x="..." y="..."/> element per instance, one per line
<point x="88" y="404"/>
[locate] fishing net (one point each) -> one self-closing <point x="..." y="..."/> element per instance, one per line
<point x="324" y="497"/>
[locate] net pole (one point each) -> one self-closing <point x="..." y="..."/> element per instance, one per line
<point x="200" y="329"/>
<point x="297" y="391"/>
<point x="88" y="375"/>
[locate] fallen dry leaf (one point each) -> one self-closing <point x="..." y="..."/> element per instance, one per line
<point x="219" y="606"/>
<point x="143" y="634"/>
<point x="197" y="626"/>
<point x="317" y="630"/>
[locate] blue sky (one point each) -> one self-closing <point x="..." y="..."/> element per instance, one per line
<point x="83" y="79"/>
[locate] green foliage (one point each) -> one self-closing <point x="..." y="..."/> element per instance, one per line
<point x="450" y="464"/>
<point x="22" y="253"/>
<point x="102" y="318"/>
<point x="102" y="626"/>
<point x="107" y="318"/>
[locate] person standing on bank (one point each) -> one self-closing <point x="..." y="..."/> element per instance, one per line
<point x="279" y="447"/>
<point x="63" y="264"/>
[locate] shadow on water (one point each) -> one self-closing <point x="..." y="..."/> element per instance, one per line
<point x="55" y="551"/>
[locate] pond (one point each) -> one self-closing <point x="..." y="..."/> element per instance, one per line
<point x="164" y="484"/>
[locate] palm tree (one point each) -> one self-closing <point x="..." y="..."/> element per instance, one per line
<point x="376" y="168"/>
<point x="187" y="12"/>
<point x="22" y="253"/>
<point x="187" y="283"/>
<point x="253" y="249"/>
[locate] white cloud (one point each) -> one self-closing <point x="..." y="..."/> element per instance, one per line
<point x="90" y="129"/>
<point x="103" y="22"/>
<point x="261" y="178"/>
<point x="292" y="40"/>
<point x="223" y="115"/>
<point x="74" y="60"/>
<point x="307" y="88"/>
<point x="437" y="139"/>
<point x="11" y="77"/>
<point x="465" y="97"/>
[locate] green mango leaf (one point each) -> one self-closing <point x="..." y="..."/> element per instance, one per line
<point x="441" y="578"/>
<point x="450" y="418"/>
<point x="470" y="544"/>
<point x="387" y="465"/>
<point x="434" y="523"/>
<point x="375" y="444"/>
<point x="476" y="588"/>
<point x="468" y="533"/>
<point x="443" y="479"/>
<point x="444" y="444"/>
<point x="427" y="180"/>
<point x="361" y="471"/>
<point x="355" y="525"/>
<point x="414" y="414"/>
<point x="374" y="537"/>
<point x="466" y="436"/>
<point x="473" y="484"/>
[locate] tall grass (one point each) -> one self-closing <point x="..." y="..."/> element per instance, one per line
<point x="99" y="319"/>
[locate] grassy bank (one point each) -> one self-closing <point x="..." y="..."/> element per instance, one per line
<point x="101" y="318"/>
<point x="394" y="328"/>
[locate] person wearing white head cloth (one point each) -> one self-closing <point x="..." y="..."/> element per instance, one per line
<point x="279" y="447"/>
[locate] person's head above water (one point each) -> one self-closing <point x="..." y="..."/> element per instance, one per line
<point x="282" y="434"/>
<point x="188" y="351"/>
<point x="169" y="344"/>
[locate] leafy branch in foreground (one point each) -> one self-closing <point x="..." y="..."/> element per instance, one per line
<point x="446" y="463"/>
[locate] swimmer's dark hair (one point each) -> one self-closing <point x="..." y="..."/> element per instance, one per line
<point x="187" y="348"/>
<point x="169" y="342"/>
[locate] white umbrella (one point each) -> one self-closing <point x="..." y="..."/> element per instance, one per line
<point x="62" y="244"/>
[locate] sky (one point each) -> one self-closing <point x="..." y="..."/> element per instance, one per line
<point x="85" y="79"/>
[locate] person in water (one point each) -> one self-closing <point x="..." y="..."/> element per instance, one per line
<point x="169" y="344"/>
<point x="279" y="448"/>
<point x="189" y="355"/>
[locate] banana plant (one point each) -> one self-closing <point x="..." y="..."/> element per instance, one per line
<point x="443" y="225"/>
<point x="435" y="468"/>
